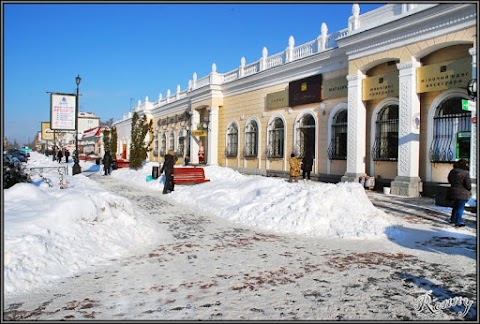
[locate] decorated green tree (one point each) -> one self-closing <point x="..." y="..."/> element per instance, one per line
<point x="106" y="139"/>
<point x="113" y="142"/>
<point x="138" y="147"/>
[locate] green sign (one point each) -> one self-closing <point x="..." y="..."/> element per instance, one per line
<point x="469" y="105"/>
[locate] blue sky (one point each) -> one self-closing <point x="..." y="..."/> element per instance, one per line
<point x="124" y="51"/>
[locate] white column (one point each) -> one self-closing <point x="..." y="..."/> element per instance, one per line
<point x="356" y="140"/>
<point x="473" y="138"/>
<point x="212" y="142"/>
<point x="408" y="183"/>
<point x="195" y="119"/>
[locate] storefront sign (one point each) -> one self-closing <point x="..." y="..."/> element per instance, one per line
<point x="443" y="76"/>
<point x="305" y="91"/>
<point x="62" y="113"/>
<point x="277" y="99"/>
<point x="335" y="88"/>
<point x="199" y="132"/>
<point x="380" y="86"/>
<point x="47" y="133"/>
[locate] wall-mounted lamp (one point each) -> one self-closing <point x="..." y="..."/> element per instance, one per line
<point x="472" y="88"/>
<point x="322" y="106"/>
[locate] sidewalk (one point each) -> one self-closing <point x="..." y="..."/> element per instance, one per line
<point x="418" y="209"/>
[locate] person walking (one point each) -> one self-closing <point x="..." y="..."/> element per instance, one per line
<point x="307" y="164"/>
<point x="459" y="191"/>
<point x="67" y="154"/>
<point x="167" y="167"/>
<point x="107" y="163"/>
<point x="59" y="156"/>
<point x="295" y="168"/>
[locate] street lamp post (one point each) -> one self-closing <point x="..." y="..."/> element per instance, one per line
<point x="76" y="166"/>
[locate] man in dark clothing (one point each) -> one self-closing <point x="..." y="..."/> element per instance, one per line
<point x="459" y="191"/>
<point x="168" y="168"/>
<point x="107" y="162"/>
<point x="67" y="154"/>
<point x="307" y="164"/>
<point x="59" y="156"/>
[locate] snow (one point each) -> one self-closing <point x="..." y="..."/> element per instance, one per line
<point x="52" y="233"/>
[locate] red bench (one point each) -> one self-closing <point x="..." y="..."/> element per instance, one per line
<point x="189" y="175"/>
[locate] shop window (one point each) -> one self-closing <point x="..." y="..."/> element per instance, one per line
<point x="385" y="147"/>
<point x="232" y="140"/>
<point x="276" y="134"/>
<point x="337" y="149"/>
<point x="181" y="143"/>
<point x="451" y="132"/>
<point x="251" y="139"/>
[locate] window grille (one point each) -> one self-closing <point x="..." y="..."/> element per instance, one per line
<point x="385" y="147"/>
<point x="338" y="145"/>
<point x="251" y="139"/>
<point x="181" y="142"/>
<point x="448" y="121"/>
<point x="171" y="141"/>
<point x="305" y="135"/>
<point x="276" y="139"/>
<point x="164" y="145"/>
<point x="232" y="140"/>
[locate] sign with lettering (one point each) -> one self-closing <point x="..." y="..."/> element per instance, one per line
<point x="199" y="132"/>
<point x="380" y="86"/>
<point x="469" y="105"/>
<point x="444" y="76"/>
<point x="62" y="111"/>
<point x="305" y="91"/>
<point x="335" y="88"/>
<point x="47" y="133"/>
<point x="277" y="99"/>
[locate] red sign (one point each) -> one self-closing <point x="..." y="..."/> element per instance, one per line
<point x="474" y="119"/>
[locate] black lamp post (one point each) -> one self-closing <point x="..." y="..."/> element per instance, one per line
<point x="76" y="167"/>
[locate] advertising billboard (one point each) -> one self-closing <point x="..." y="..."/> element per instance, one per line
<point x="62" y="111"/>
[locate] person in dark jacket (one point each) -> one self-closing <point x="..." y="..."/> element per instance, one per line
<point x="107" y="163"/>
<point x="59" y="156"/>
<point x="167" y="167"/>
<point x="67" y="154"/>
<point x="459" y="191"/>
<point x="307" y="164"/>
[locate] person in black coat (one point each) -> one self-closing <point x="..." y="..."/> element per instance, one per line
<point x="59" y="156"/>
<point x="307" y="164"/>
<point x="67" y="154"/>
<point x="459" y="191"/>
<point x="107" y="162"/>
<point x="167" y="167"/>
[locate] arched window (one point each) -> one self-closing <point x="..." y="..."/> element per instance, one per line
<point x="276" y="136"/>
<point x="338" y="145"/>
<point x="385" y="147"/>
<point x="451" y="132"/>
<point x="251" y="139"/>
<point x="163" y="149"/>
<point x="155" y="145"/>
<point x="232" y="140"/>
<point x="305" y="135"/>
<point x="181" y="142"/>
<point x="171" y="140"/>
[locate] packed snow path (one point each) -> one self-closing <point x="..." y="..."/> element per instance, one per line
<point x="211" y="269"/>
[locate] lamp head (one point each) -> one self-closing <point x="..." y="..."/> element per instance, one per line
<point x="472" y="88"/>
<point x="78" y="79"/>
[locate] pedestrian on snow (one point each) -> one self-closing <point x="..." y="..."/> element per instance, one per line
<point x="107" y="163"/>
<point x="167" y="167"/>
<point x="307" y="164"/>
<point x="295" y="168"/>
<point x="67" y="154"/>
<point x="459" y="191"/>
<point x="59" y="156"/>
